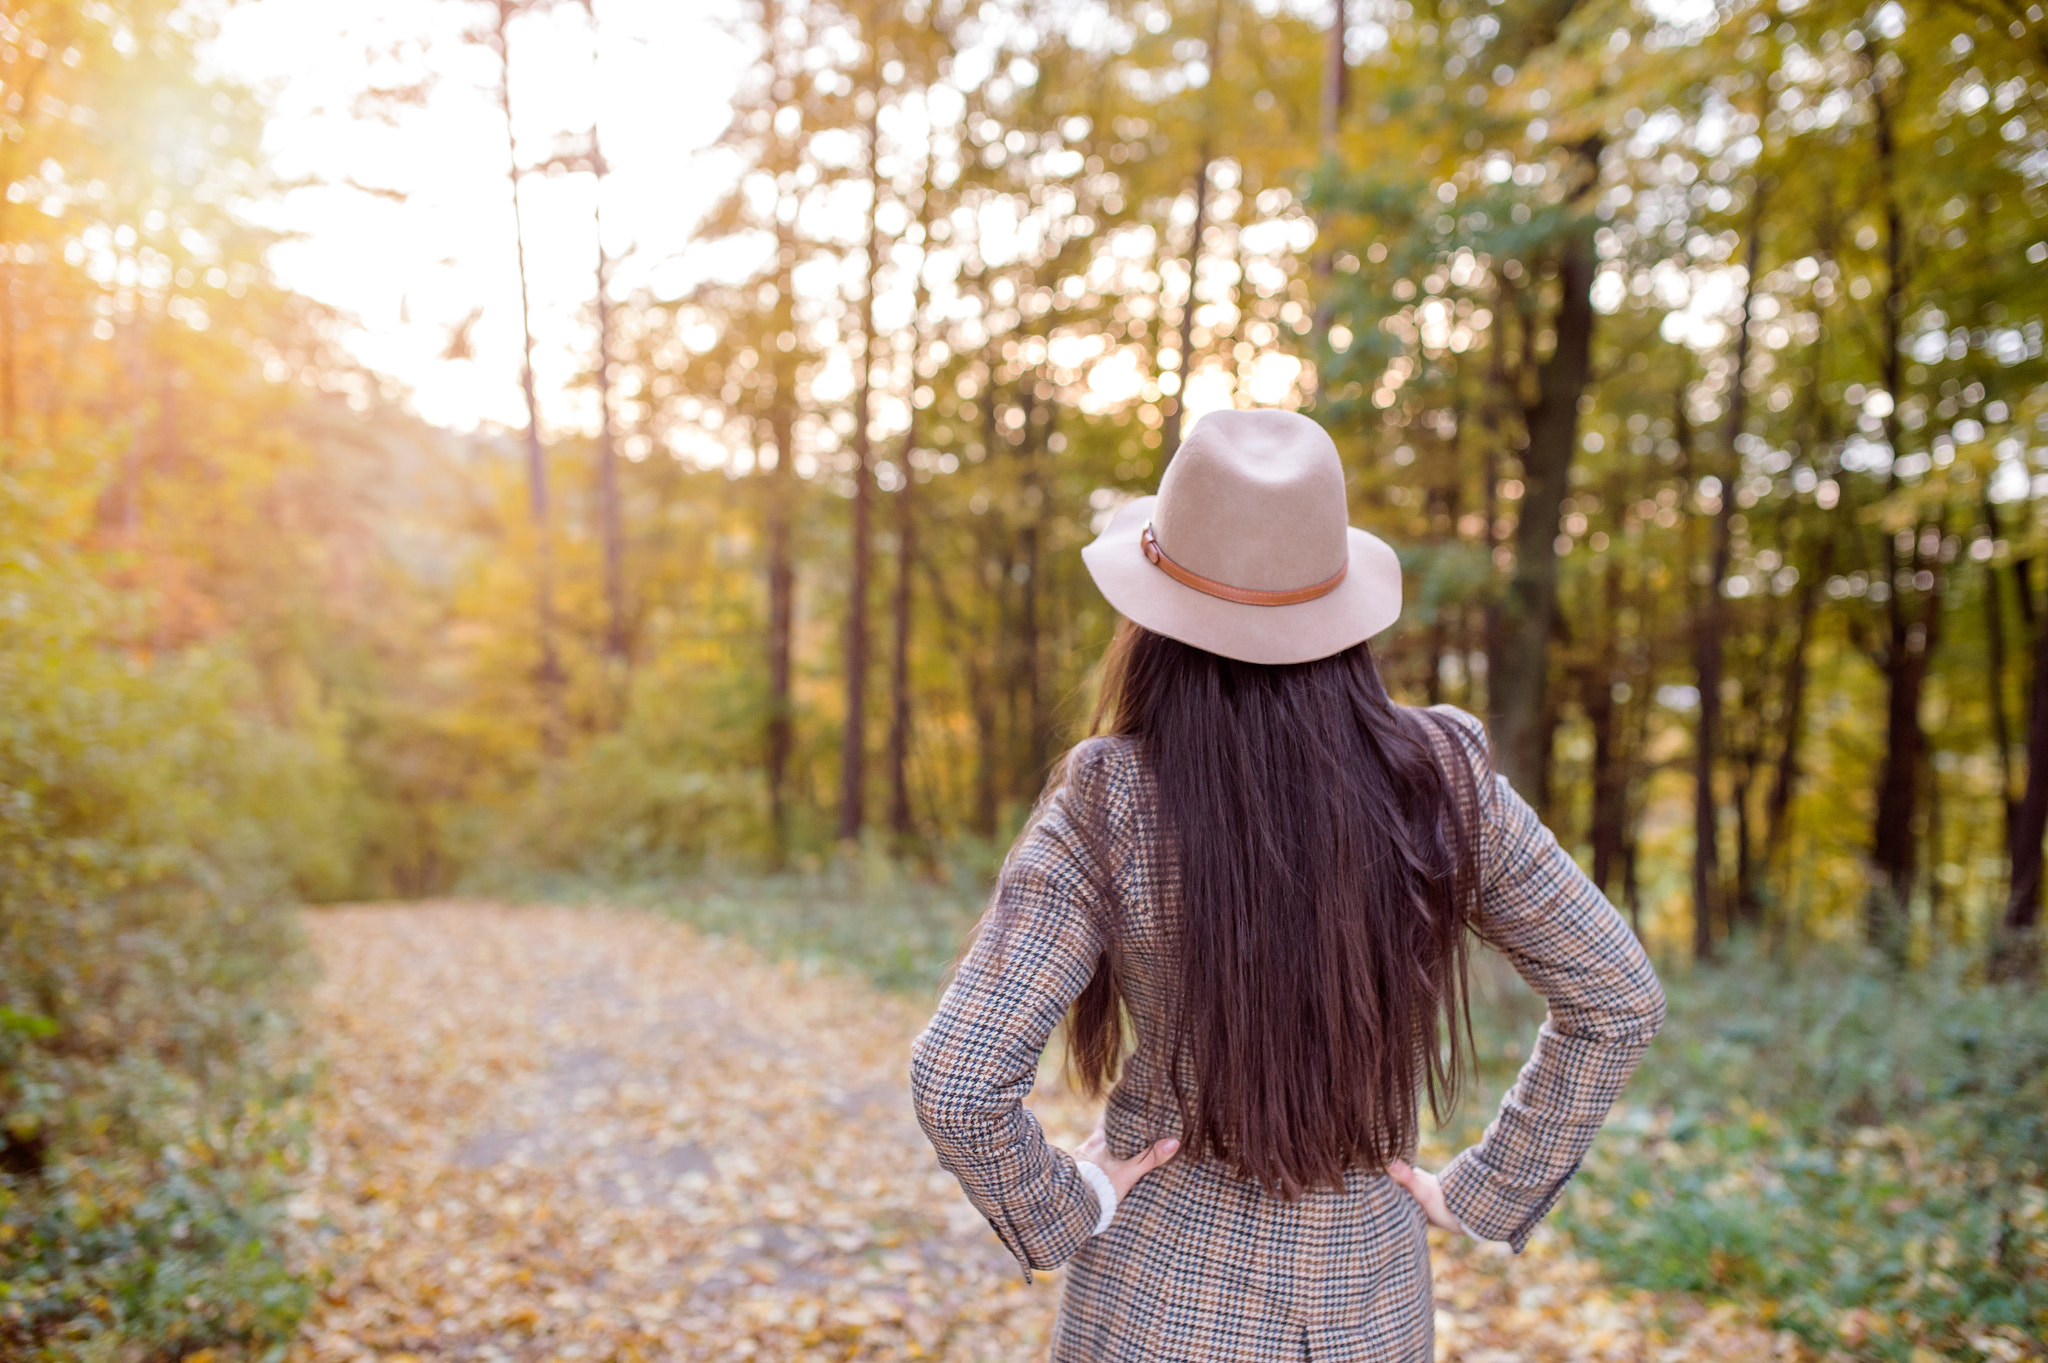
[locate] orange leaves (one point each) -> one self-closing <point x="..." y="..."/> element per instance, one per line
<point x="579" y="1134"/>
<point x="584" y="1134"/>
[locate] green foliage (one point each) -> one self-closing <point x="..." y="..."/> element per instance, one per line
<point x="150" y="829"/>
<point x="1863" y="1153"/>
<point x="618" y="812"/>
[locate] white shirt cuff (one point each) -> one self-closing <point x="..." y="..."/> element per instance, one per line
<point x="1105" y="1193"/>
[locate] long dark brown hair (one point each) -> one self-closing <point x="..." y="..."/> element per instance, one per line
<point x="1326" y="874"/>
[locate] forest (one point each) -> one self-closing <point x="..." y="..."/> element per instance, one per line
<point x="1690" y="352"/>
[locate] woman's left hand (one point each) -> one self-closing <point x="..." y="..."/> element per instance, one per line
<point x="1124" y="1173"/>
<point x="1428" y="1194"/>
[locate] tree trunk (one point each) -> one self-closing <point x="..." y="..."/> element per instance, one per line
<point x="1785" y="774"/>
<point x="1745" y="910"/>
<point x="1609" y="823"/>
<point x="548" y="674"/>
<point x="987" y="751"/>
<point x="1336" y="92"/>
<point x="1033" y="720"/>
<point x="1910" y="643"/>
<point x="1169" y="440"/>
<point x="1518" y="679"/>
<point x="1176" y="401"/>
<point x="1787" y="770"/>
<point x="781" y="496"/>
<point x="2016" y="946"/>
<point x="1500" y="395"/>
<point x="902" y="826"/>
<point x="853" y="744"/>
<point x="2001" y="728"/>
<point x="1709" y="628"/>
<point x="610" y="532"/>
<point x="1637" y="728"/>
<point x="966" y="646"/>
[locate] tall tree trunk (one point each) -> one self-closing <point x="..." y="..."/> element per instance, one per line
<point x="902" y="825"/>
<point x="548" y="675"/>
<point x="1609" y="822"/>
<point x="1500" y="395"/>
<point x="1706" y="856"/>
<point x="781" y="497"/>
<point x="1636" y="727"/>
<point x="1033" y="721"/>
<point x="1909" y="643"/>
<point x="1518" y="678"/>
<point x="988" y="760"/>
<point x="1994" y="634"/>
<point x="853" y="744"/>
<point x="1710" y="626"/>
<point x="1176" y="401"/>
<point x="966" y="645"/>
<point x="2016" y="946"/>
<point x="1329" y="124"/>
<point x="611" y="533"/>
<point x="1745" y="910"/>
<point x="1786" y="772"/>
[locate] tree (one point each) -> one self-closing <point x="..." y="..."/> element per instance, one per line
<point x="495" y="35"/>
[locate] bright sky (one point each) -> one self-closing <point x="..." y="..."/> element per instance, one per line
<point x="407" y="274"/>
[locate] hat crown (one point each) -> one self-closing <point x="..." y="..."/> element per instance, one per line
<point x="1255" y="499"/>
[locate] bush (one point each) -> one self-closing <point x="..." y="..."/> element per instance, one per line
<point x="618" y="812"/>
<point x="150" y="830"/>
<point x="1862" y="1153"/>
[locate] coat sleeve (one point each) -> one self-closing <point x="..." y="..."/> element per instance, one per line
<point x="1605" y="1005"/>
<point x="975" y="1062"/>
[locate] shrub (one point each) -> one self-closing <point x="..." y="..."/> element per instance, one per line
<point x="622" y="809"/>
<point x="149" y="828"/>
<point x="1863" y="1153"/>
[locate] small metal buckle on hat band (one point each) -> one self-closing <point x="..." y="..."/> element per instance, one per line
<point x="1223" y="591"/>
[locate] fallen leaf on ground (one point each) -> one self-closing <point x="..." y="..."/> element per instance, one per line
<point x="577" y="1134"/>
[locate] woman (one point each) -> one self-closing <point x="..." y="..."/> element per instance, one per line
<point x="1250" y="900"/>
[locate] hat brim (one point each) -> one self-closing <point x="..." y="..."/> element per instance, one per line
<point x="1364" y="603"/>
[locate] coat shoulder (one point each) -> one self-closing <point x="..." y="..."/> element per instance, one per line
<point x="1448" y="727"/>
<point x="1106" y="773"/>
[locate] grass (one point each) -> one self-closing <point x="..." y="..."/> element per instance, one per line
<point x="1862" y="1153"/>
<point x="900" y="931"/>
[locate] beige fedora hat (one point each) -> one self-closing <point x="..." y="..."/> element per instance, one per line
<point x="1247" y="550"/>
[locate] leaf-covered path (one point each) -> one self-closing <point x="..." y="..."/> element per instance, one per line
<point x="554" y="1133"/>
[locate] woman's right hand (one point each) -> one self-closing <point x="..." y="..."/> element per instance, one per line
<point x="1428" y="1194"/>
<point x="1125" y="1173"/>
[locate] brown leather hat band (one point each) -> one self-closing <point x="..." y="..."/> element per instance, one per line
<point x="1244" y="596"/>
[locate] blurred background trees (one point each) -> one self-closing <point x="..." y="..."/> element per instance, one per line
<point x="1692" y="356"/>
<point x="1690" y="353"/>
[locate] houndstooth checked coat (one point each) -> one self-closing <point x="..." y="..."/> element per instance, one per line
<point x="1199" y="1264"/>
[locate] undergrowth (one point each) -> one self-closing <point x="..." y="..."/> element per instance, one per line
<point x="150" y="1071"/>
<point x="1862" y="1153"/>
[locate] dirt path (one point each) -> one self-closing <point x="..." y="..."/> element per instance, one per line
<point x="569" y="1134"/>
